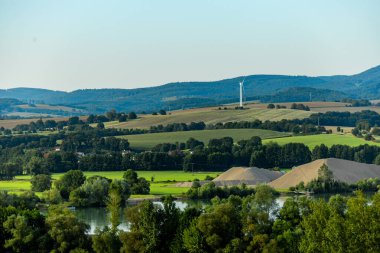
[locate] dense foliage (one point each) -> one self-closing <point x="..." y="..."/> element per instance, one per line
<point x="254" y="223"/>
<point x="210" y="190"/>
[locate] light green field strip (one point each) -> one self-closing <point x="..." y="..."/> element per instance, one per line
<point x="327" y="139"/>
<point x="146" y="141"/>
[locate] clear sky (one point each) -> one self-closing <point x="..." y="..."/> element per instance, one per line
<point x="74" y="44"/>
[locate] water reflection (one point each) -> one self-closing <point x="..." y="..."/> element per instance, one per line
<point x="98" y="217"/>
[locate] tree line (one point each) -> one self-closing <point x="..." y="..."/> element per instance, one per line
<point x="109" y="154"/>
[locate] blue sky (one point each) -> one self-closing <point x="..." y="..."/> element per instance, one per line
<point x="73" y="44"/>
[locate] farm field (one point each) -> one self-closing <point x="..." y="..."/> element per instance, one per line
<point x="146" y="141"/>
<point x="160" y="186"/>
<point x="322" y="107"/>
<point x="327" y="139"/>
<point x="210" y="115"/>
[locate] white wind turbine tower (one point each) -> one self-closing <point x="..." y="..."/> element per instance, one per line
<point x="241" y="92"/>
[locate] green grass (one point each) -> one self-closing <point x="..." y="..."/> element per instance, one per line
<point x="160" y="186"/>
<point x="159" y="176"/>
<point x="15" y="185"/>
<point x="147" y="141"/>
<point x="166" y="189"/>
<point x="327" y="139"/>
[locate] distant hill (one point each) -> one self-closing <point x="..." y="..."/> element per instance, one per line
<point x="268" y="88"/>
<point x="15" y="108"/>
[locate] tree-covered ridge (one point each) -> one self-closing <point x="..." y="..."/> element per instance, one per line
<point x="195" y="94"/>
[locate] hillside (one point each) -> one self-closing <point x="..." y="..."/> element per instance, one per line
<point x="277" y="88"/>
<point x="211" y="115"/>
<point x="343" y="170"/>
<point x="16" y="108"/>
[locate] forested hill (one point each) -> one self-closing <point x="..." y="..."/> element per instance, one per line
<point x="274" y="88"/>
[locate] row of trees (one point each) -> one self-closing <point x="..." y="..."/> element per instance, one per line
<point x="175" y="127"/>
<point x="348" y="119"/>
<point x="111" y="116"/>
<point x="194" y="155"/>
<point x="357" y="102"/>
<point x="294" y="126"/>
<point x="300" y="107"/>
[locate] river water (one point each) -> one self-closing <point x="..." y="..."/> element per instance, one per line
<point x="98" y="217"/>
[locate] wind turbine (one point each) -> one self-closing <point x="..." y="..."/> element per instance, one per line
<point x="241" y="92"/>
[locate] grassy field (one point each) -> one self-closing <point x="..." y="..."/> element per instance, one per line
<point x="146" y="141"/>
<point x="160" y="186"/>
<point x="327" y="139"/>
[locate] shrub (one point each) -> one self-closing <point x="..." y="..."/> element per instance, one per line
<point x="41" y="182"/>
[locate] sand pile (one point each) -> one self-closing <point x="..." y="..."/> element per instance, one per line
<point x="248" y="176"/>
<point x="343" y="170"/>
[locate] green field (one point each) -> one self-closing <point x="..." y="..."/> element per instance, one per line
<point x="15" y="185"/>
<point x="146" y="141"/>
<point x="159" y="176"/>
<point x="160" y="186"/>
<point x="327" y="139"/>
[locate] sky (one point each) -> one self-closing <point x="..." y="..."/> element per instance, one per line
<point x="80" y="44"/>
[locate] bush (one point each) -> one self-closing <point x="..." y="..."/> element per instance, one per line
<point x="93" y="192"/>
<point x="369" y="137"/>
<point x="209" y="178"/>
<point x="137" y="185"/>
<point x="132" y="115"/>
<point x="69" y="182"/>
<point x="210" y="190"/>
<point x="41" y="182"/>
<point x="52" y="196"/>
